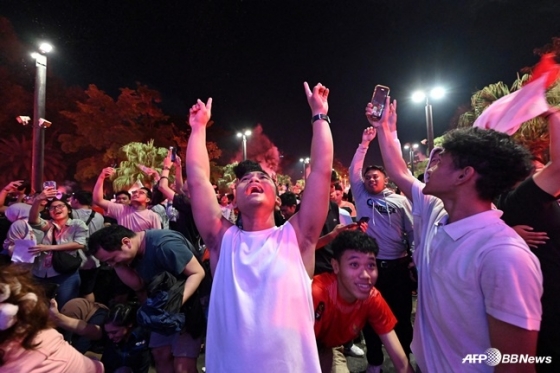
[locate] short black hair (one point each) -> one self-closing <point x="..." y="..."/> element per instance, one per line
<point x="123" y="192"/>
<point x="83" y="197"/>
<point x="122" y="314"/>
<point x="288" y="199"/>
<point x="108" y="238"/>
<point x="353" y="240"/>
<point x="246" y="167"/>
<point x="499" y="161"/>
<point x="375" y="167"/>
<point x="148" y="192"/>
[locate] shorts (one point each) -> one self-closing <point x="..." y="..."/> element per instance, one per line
<point x="182" y="345"/>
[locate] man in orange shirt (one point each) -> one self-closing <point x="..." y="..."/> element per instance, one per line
<point x="346" y="299"/>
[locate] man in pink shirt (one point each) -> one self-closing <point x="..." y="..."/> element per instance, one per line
<point x="136" y="216"/>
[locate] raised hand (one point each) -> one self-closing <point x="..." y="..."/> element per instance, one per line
<point x="107" y="172"/>
<point x="317" y="99"/>
<point x="200" y="113"/>
<point x="368" y="135"/>
<point x="12" y="186"/>
<point x="47" y="193"/>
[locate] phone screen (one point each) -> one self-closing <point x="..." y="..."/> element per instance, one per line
<point x="173" y="153"/>
<point x="378" y="100"/>
<point x="363" y="219"/>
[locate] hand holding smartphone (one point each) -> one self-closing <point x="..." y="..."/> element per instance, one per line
<point x="173" y="153"/>
<point x="378" y="100"/>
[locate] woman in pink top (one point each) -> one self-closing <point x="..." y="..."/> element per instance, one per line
<point x="28" y="343"/>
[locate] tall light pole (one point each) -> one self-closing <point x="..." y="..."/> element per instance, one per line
<point x="38" y="151"/>
<point x="419" y="96"/>
<point x="244" y="135"/>
<point x="304" y="163"/>
<point x="411" y="149"/>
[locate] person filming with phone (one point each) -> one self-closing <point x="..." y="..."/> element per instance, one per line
<point x="391" y="226"/>
<point x="58" y="254"/>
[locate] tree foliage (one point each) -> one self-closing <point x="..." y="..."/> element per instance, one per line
<point x="136" y="155"/>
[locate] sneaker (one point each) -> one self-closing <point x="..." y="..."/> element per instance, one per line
<point x="354" y="351"/>
<point x="374" y="369"/>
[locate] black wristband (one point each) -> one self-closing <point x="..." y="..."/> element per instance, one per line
<point x="166" y="168"/>
<point x="321" y="117"/>
<point x="164" y="177"/>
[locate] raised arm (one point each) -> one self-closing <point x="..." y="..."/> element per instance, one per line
<point x="314" y="205"/>
<point x="548" y="179"/>
<point x="357" y="164"/>
<point x="11" y="187"/>
<point x="390" y="146"/>
<point x="163" y="185"/>
<point x="98" y="188"/>
<point x="34" y="218"/>
<point x="206" y="210"/>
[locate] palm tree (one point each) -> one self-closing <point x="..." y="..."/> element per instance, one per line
<point x="136" y="155"/>
<point x="15" y="160"/>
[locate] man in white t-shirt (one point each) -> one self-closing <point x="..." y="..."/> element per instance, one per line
<point x="136" y="216"/>
<point x="261" y="310"/>
<point x="479" y="284"/>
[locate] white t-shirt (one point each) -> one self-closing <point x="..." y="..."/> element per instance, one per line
<point x="468" y="269"/>
<point x="261" y="309"/>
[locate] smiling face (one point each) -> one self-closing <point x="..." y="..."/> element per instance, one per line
<point x="255" y="189"/>
<point x="375" y="181"/>
<point x="356" y="274"/>
<point x="58" y="210"/>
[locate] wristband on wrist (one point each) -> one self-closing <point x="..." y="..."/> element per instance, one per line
<point x="164" y="177"/>
<point x="166" y="168"/>
<point x="321" y="117"/>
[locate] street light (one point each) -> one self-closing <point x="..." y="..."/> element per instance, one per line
<point x="244" y="135"/>
<point x="419" y="96"/>
<point x="411" y="149"/>
<point x="304" y="163"/>
<point x="39" y="124"/>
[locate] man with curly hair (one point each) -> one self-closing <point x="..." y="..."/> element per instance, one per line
<point x="479" y="284"/>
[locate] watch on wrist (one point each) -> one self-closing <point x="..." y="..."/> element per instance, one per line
<point x="320" y="117"/>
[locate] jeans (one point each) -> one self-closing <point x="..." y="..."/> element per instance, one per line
<point x="69" y="287"/>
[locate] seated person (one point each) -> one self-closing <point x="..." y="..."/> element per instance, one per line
<point x="127" y="344"/>
<point x="84" y="319"/>
<point x="346" y="299"/>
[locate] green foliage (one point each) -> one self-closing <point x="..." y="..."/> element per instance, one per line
<point x="283" y="179"/>
<point x="138" y="154"/>
<point x="227" y="178"/>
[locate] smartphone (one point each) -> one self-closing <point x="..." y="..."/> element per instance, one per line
<point x="378" y="100"/>
<point x="173" y="153"/>
<point x="363" y="219"/>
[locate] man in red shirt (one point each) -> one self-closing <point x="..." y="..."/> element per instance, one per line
<point x="346" y="299"/>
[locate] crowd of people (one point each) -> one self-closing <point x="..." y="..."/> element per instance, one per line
<point x="282" y="282"/>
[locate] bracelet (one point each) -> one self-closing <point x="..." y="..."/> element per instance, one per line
<point x="321" y="117"/>
<point x="166" y="168"/>
<point x="164" y="177"/>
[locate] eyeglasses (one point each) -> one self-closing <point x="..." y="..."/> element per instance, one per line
<point x="139" y="192"/>
<point x="56" y="207"/>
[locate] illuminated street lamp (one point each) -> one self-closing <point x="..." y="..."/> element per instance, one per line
<point x="411" y="149"/>
<point x="304" y="163"/>
<point x="419" y="96"/>
<point x="244" y="135"/>
<point x="39" y="124"/>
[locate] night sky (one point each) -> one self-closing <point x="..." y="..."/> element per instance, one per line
<point x="252" y="56"/>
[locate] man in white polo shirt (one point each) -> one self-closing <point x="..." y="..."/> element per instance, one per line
<point x="479" y="284"/>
